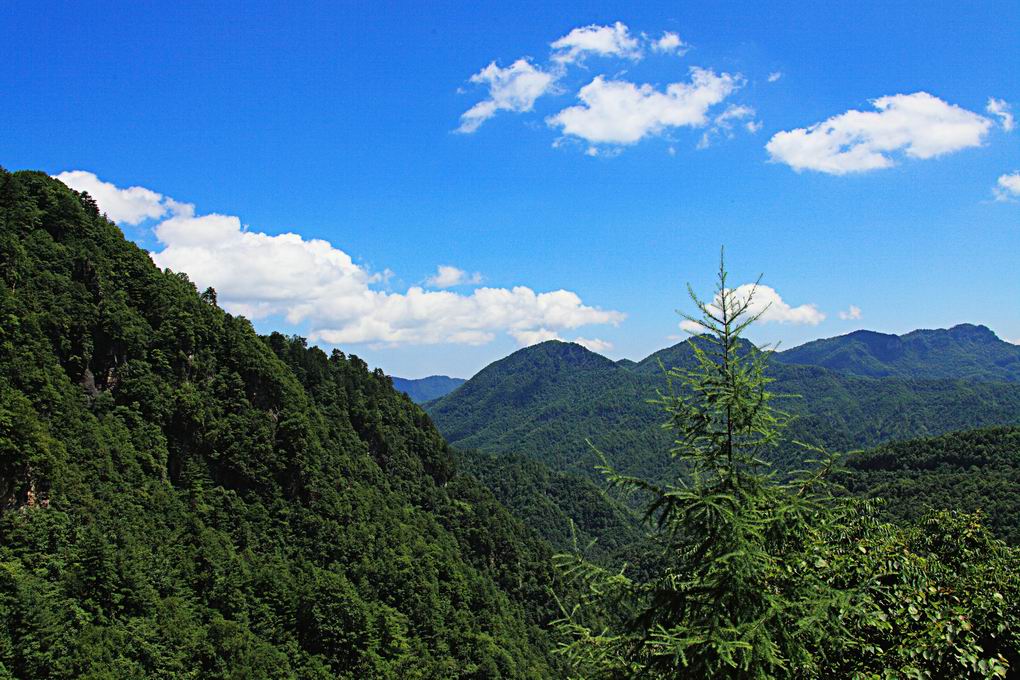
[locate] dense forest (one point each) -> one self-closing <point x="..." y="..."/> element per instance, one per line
<point x="182" y="498"/>
<point x="977" y="470"/>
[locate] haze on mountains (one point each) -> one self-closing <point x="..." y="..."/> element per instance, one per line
<point x="421" y="390"/>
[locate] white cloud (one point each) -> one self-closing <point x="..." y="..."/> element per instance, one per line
<point x="1008" y="187"/>
<point x="527" y="338"/>
<point x="447" y="276"/>
<point x="670" y="43"/>
<point x="132" y="206"/>
<point x="854" y="312"/>
<point x="723" y="124"/>
<point x="690" y="327"/>
<point x="775" y="76"/>
<point x="733" y="113"/>
<point x="514" y="88"/>
<point x="999" y="107"/>
<point x="594" y="344"/>
<point x="310" y="281"/>
<point x="620" y="112"/>
<point x="767" y="302"/>
<point x="603" y="41"/>
<point x="919" y="124"/>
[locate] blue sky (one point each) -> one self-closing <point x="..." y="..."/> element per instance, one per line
<point x="615" y="170"/>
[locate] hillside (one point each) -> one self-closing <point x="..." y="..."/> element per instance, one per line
<point x="971" y="470"/>
<point x="182" y="498"/>
<point x="547" y="400"/>
<point x="966" y="352"/>
<point x="421" y="390"/>
<point x="560" y="507"/>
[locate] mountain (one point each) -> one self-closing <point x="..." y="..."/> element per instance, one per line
<point x="971" y="470"/>
<point x="180" y="497"/>
<point x="966" y="352"/>
<point x="564" y="508"/>
<point x="549" y="400"/>
<point x="422" y="390"/>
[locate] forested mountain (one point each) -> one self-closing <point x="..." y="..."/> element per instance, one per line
<point x="182" y="498"/>
<point x="964" y="352"/>
<point x="972" y="470"/>
<point x="563" y="508"/>
<point x="548" y="400"/>
<point x="426" y="389"/>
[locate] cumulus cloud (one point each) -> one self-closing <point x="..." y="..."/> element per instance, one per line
<point x="527" y="338"/>
<point x="311" y="281"/>
<point x="854" y="312"/>
<point x="621" y="112"/>
<point x="514" y="88"/>
<point x="766" y="302"/>
<point x="775" y="76"/>
<point x="132" y="205"/>
<point x="602" y="41"/>
<point x="447" y="276"/>
<point x="919" y="124"/>
<point x="1001" y="109"/>
<point x="670" y="43"/>
<point x="1008" y="187"/>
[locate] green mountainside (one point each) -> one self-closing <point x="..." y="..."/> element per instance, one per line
<point x="421" y="390"/>
<point x="182" y="498"/>
<point x="964" y="352"/>
<point x="548" y="400"/>
<point x="972" y="470"/>
<point x="561" y="507"/>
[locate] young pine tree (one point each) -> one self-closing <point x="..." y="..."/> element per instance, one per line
<point x="735" y="591"/>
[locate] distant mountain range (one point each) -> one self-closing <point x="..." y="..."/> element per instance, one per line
<point x="421" y="390"/>
<point x="533" y="412"/>
<point x="547" y="401"/>
<point x="966" y="351"/>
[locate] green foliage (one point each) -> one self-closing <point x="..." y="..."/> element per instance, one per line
<point x="563" y="508"/>
<point x="760" y="578"/>
<point x="182" y="498"/>
<point x="969" y="471"/>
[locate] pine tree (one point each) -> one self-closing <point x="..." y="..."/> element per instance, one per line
<point x="734" y="594"/>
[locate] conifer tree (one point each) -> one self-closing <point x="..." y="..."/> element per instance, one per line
<point x="724" y="600"/>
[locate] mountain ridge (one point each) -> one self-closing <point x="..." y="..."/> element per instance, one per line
<point x="548" y="401"/>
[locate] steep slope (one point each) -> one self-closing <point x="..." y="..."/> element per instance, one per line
<point x="182" y="498"/>
<point x="426" y="389"/>
<point x="563" y="508"/>
<point x="971" y="470"/>
<point x="962" y="352"/>
<point x="538" y="403"/>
